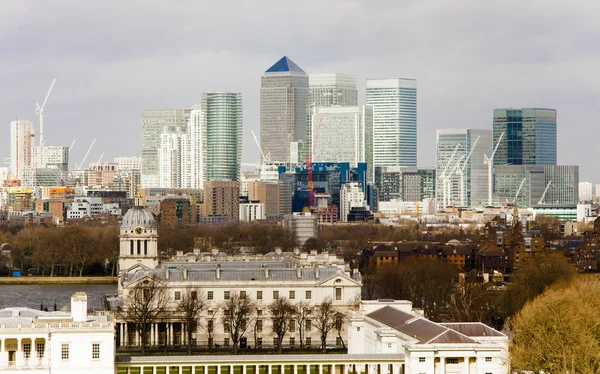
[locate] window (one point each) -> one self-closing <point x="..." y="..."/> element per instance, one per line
<point x="258" y="295"/>
<point x="275" y="342"/>
<point x="308" y="341"/>
<point x="308" y="295"/>
<point x="275" y="295"/>
<point x="421" y="359"/>
<point x="26" y="350"/>
<point x="226" y="327"/>
<point x="177" y="295"/>
<point x="339" y="321"/>
<point x="308" y="325"/>
<point x="358" y="328"/>
<point x="194" y="295"/>
<point x="292" y="341"/>
<point x="292" y="295"/>
<point x="211" y="295"/>
<point x="338" y="342"/>
<point x="242" y="294"/>
<point x="226" y="295"/>
<point x="292" y="325"/>
<point x="488" y="359"/>
<point x="210" y="326"/>
<point x="259" y="312"/>
<point x="226" y="342"/>
<point x="64" y="351"/>
<point x="338" y="293"/>
<point x="452" y="360"/>
<point x="259" y="325"/>
<point x="259" y="342"/>
<point x="95" y="351"/>
<point x="40" y="347"/>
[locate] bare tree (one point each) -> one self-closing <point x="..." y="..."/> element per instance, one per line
<point x="210" y="326"/>
<point x="282" y="311"/>
<point x="324" y="320"/>
<point x="143" y="306"/>
<point x="191" y="306"/>
<point x="302" y="312"/>
<point x="340" y="318"/>
<point x="237" y="314"/>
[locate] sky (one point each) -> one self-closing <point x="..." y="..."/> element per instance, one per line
<point x="113" y="58"/>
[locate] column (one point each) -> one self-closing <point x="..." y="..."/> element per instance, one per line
<point x="179" y="369"/>
<point x="243" y="368"/>
<point x="2" y="352"/>
<point x="125" y="334"/>
<point x="443" y="363"/>
<point x="205" y="369"/>
<point x="153" y="369"/>
<point x="466" y="367"/>
<point x="19" y="360"/>
<point x="320" y="368"/>
<point x="171" y="340"/>
<point x="295" y="369"/>
<point x="218" y="368"/>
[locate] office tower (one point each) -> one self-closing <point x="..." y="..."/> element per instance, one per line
<point x="461" y="181"/>
<point x="155" y="123"/>
<point x="405" y="184"/>
<point x="394" y="103"/>
<point x="529" y="136"/>
<point x="222" y="198"/>
<point x="128" y="162"/>
<point x="283" y="108"/>
<point x="21" y="141"/>
<point x="222" y="115"/>
<point x="50" y="157"/>
<point x="266" y="193"/>
<point x="327" y="90"/>
<point x="170" y="156"/>
<point x="585" y="191"/>
<point x="351" y="196"/>
<point x="193" y="167"/>
<point x="342" y="135"/>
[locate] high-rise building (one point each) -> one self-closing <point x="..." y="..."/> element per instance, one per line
<point x="266" y="193"/>
<point x="155" y="123"/>
<point x="351" y="196"/>
<point x="283" y="108"/>
<point x="405" y="184"/>
<point x="21" y="141"/>
<point x="50" y="157"/>
<point x="222" y="115"/>
<point x="394" y="103"/>
<point x="585" y="191"/>
<point x="129" y="162"/>
<point x="529" y="136"/>
<point x="342" y="135"/>
<point x="460" y="181"/>
<point x="222" y="198"/>
<point x="193" y="168"/>
<point x="170" y="156"/>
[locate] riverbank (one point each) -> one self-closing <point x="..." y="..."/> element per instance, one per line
<point x="58" y="280"/>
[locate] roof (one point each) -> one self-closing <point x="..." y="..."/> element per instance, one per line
<point x="424" y="330"/>
<point x="137" y="216"/>
<point x="285" y="65"/>
<point x="473" y="329"/>
<point x="28" y="315"/>
<point x="316" y="358"/>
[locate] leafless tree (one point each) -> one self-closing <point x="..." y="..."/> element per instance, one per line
<point x="191" y="306"/>
<point x="143" y="306"/>
<point x="324" y="320"/>
<point x="302" y="313"/>
<point x="237" y="314"/>
<point x="210" y="326"/>
<point x="282" y="311"/>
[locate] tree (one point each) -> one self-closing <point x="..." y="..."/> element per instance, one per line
<point x="281" y="311"/>
<point x="144" y="305"/>
<point x="237" y="313"/>
<point x="472" y="301"/>
<point x="324" y="320"/>
<point x="302" y="312"/>
<point x="48" y="250"/>
<point x="549" y="226"/>
<point x="559" y="331"/>
<point x="191" y="306"/>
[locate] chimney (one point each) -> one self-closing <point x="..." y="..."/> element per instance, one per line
<point x="266" y="268"/>
<point x="214" y="251"/>
<point x="298" y="272"/>
<point x="79" y="307"/>
<point x="317" y="272"/>
<point x="167" y="273"/>
<point x="185" y="272"/>
<point x="218" y="269"/>
<point x="278" y="250"/>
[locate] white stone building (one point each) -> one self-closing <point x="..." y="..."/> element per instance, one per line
<point x="585" y="191"/>
<point x="250" y="212"/>
<point x="34" y="341"/>
<point x="393" y="327"/>
<point x="50" y="157"/>
<point x="128" y="162"/>
<point x="85" y="207"/>
<point x="351" y="196"/>
<point x="303" y="225"/>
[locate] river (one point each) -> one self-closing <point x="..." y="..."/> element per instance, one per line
<point x="33" y="295"/>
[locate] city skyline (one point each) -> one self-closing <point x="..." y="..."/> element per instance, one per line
<point x="459" y="68"/>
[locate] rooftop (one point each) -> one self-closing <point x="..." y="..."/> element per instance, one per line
<point x="285" y="65"/>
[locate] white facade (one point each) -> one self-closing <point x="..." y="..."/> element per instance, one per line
<point x="85" y="207"/>
<point x="42" y="177"/>
<point x="193" y="168"/>
<point x="351" y="196"/>
<point x="303" y="225"/>
<point x="50" y="157"/>
<point x="129" y="163"/>
<point x="170" y="153"/>
<point x="21" y="140"/>
<point x="397" y="207"/>
<point x="56" y="342"/>
<point x="250" y="212"/>
<point x="392" y="327"/>
<point x="585" y="191"/>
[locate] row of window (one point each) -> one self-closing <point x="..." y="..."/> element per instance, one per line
<point x="65" y="351"/>
<point x="292" y="342"/>
<point x="454" y="360"/>
<point x="259" y="295"/>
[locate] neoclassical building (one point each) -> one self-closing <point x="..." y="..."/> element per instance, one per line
<point x="298" y="277"/>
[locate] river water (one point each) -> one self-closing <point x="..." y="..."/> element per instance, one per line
<point x="32" y="296"/>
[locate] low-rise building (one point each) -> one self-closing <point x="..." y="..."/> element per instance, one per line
<point x="252" y="211"/>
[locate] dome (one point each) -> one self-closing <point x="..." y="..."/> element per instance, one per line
<point x="137" y="216"/>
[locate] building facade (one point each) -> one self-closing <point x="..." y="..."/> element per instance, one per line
<point x="529" y="136"/>
<point x="193" y="167"/>
<point x="250" y="212"/>
<point x="50" y="157"/>
<point x="585" y="191"/>
<point x="222" y="198"/>
<point x="394" y="103"/>
<point x="283" y="108"/>
<point x="405" y="184"/>
<point x="171" y="153"/>
<point x="22" y="138"/>
<point x="129" y="162"/>
<point x="351" y="196"/>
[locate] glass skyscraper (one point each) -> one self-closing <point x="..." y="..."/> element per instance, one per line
<point x="222" y="117"/>
<point x="529" y="136"/>
<point x="394" y="103"/>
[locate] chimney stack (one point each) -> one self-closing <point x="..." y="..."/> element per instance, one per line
<point x="266" y="268"/>
<point x="317" y="272"/>
<point x="218" y="269"/>
<point x="167" y="273"/>
<point x="79" y="307"/>
<point x="299" y="272"/>
<point x="185" y="272"/>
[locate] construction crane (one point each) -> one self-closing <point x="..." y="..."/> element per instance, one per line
<point x="100" y="159"/>
<point x="444" y="178"/>
<point x="39" y="110"/>
<point x="86" y="154"/>
<point x="489" y="161"/>
<point x="519" y="191"/>
<point x="461" y="169"/>
<point x="309" y="160"/>
<point x="544" y="194"/>
<point x="72" y="144"/>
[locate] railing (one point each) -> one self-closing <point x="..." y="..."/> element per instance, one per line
<point x="45" y="326"/>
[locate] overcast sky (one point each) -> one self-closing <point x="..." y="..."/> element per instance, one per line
<point x="114" y="58"/>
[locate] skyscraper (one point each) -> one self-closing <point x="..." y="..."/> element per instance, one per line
<point x="283" y="108"/>
<point x="529" y="136"/>
<point x="394" y="103"/>
<point x="453" y="168"/>
<point x="222" y="115"/>
<point x="585" y="191"/>
<point x="21" y="141"/>
<point x="171" y="154"/>
<point x="193" y="167"/>
<point x="155" y="123"/>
